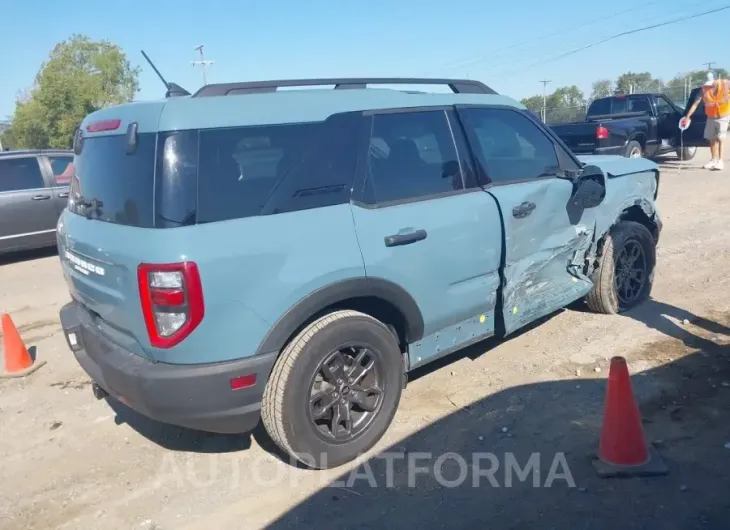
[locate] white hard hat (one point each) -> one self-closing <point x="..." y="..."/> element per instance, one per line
<point x="710" y="79"/>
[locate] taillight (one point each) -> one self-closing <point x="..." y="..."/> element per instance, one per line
<point x="601" y="132"/>
<point x="172" y="301"/>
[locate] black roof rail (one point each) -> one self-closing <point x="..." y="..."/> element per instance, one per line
<point x="458" y="86"/>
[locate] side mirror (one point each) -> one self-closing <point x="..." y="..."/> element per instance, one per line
<point x="589" y="189"/>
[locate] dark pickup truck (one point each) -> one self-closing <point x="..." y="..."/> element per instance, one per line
<point x="633" y="126"/>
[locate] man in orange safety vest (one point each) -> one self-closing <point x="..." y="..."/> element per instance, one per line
<point x="716" y="97"/>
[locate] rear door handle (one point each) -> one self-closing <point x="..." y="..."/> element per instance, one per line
<point x="523" y="210"/>
<point x="40" y="197"/>
<point x="63" y="195"/>
<point x="405" y="239"/>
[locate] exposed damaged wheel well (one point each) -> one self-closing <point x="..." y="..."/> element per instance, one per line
<point x="639" y="213"/>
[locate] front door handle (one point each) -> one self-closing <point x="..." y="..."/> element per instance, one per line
<point x="40" y="197"/>
<point x="63" y="195"/>
<point x="405" y="239"/>
<point x="523" y="210"/>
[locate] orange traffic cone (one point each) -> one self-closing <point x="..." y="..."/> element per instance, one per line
<point x="622" y="450"/>
<point x="18" y="361"/>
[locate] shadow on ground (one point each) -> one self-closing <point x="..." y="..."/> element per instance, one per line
<point x="685" y="404"/>
<point x="187" y="440"/>
<point x="27" y="255"/>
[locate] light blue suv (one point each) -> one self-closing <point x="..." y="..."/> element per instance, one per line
<point x="249" y="253"/>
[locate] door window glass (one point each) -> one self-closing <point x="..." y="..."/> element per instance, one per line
<point x="20" y="174"/>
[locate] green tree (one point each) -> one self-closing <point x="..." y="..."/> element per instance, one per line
<point x="534" y="103"/>
<point x="679" y="87"/>
<point x="631" y="83"/>
<point x="80" y="76"/>
<point x="602" y="88"/>
<point x="565" y="104"/>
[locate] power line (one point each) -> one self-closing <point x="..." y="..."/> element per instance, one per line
<point x="479" y="58"/>
<point x="514" y="63"/>
<point x="709" y="65"/>
<point x="623" y="34"/>
<point x="517" y="64"/>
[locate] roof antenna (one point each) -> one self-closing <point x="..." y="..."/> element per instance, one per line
<point x="173" y="89"/>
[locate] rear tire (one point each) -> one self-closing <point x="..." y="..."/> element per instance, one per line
<point x="687" y="153"/>
<point x="313" y="371"/>
<point x="634" y="150"/>
<point x="625" y="240"/>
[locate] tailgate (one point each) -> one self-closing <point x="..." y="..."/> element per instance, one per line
<point x="579" y="137"/>
<point x="99" y="262"/>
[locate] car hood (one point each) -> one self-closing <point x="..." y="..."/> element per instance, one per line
<point x="619" y="165"/>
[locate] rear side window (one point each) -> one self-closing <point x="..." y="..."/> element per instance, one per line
<point x="412" y="155"/>
<point x="20" y="174"/>
<point x="248" y="171"/>
<point x="62" y="167"/>
<point x="619" y="105"/>
<point x="600" y="107"/>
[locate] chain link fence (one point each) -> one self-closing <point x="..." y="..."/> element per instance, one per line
<point x="569" y="114"/>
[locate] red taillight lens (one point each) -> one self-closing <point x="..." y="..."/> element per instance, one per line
<point x="601" y="132"/>
<point x="103" y="125"/>
<point x="172" y="301"/>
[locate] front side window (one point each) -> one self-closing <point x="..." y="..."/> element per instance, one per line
<point x="509" y="146"/>
<point x="663" y="106"/>
<point x="18" y="174"/>
<point x="412" y="155"/>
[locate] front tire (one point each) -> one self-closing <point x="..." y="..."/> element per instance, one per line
<point x="334" y="390"/>
<point x="625" y="273"/>
<point x="687" y="153"/>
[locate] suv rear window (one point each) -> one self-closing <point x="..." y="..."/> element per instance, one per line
<point x="120" y="186"/>
<point x="201" y="176"/>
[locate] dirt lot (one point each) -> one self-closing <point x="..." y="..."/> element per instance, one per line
<point x="68" y="461"/>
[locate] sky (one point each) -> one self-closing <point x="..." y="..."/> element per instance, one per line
<point x="510" y="45"/>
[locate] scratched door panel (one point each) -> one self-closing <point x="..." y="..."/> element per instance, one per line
<point x="545" y="241"/>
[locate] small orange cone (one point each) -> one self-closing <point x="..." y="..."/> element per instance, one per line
<point x="622" y="450"/>
<point x="18" y="361"/>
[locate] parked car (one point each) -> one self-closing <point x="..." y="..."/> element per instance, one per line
<point x="635" y="126"/>
<point x="247" y="253"/>
<point x="33" y="192"/>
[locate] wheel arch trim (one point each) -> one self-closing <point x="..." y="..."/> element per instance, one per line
<point x="339" y="291"/>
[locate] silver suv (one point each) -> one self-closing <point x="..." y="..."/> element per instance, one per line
<point x="33" y="193"/>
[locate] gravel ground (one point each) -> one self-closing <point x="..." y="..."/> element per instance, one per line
<point x="68" y="461"/>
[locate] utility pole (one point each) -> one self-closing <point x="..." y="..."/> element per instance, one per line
<point x="544" y="97"/>
<point x="202" y="63"/>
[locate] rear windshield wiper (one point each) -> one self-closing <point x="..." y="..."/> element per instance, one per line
<point x="90" y="206"/>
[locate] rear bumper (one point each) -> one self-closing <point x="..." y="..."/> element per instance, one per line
<point x="613" y="150"/>
<point x="194" y="396"/>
